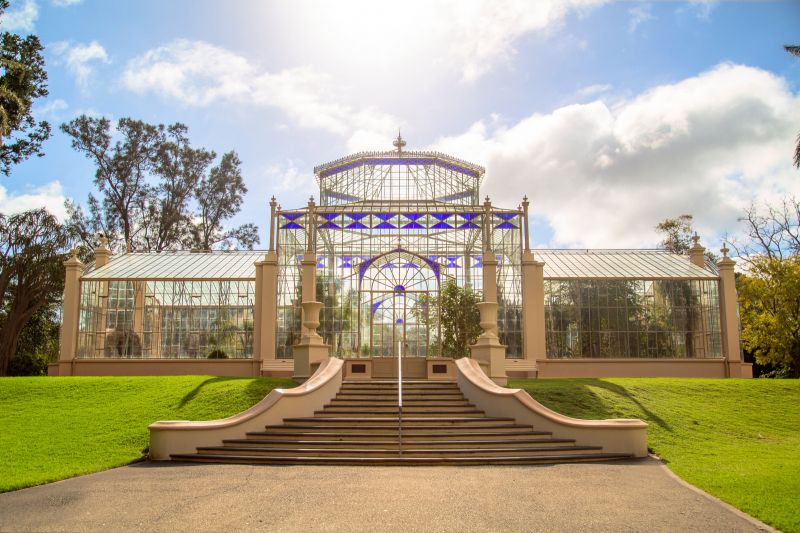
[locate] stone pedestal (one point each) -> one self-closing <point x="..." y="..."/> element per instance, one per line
<point x="310" y="351"/>
<point x="487" y="350"/>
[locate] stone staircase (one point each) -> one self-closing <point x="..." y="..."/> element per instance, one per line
<point x="362" y="426"/>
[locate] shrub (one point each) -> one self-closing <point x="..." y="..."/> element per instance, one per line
<point x="29" y="364"/>
<point x="217" y="354"/>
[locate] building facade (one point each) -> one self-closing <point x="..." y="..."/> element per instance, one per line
<point x="389" y="232"/>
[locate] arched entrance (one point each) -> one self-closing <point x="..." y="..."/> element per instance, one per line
<point x="396" y="290"/>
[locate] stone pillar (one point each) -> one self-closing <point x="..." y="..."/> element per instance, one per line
<point x="729" y="314"/>
<point x="533" y="324"/>
<point x="697" y="252"/>
<point x="102" y="256"/>
<point x="487" y="350"/>
<point x="68" y="341"/>
<point x="310" y="351"/>
<point x="269" y="306"/>
<point x="265" y="312"/>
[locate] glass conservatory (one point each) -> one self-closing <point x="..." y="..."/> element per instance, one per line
<point x="389" y="231"/>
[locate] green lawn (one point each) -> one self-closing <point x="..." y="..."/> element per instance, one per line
<point x="736" y="439"/>
<point x="53" y="428"/>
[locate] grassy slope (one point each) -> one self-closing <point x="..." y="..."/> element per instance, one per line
<point x="54" y="428"/>
<point x="736" y="439"/>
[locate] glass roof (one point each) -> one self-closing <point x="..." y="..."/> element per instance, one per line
<point x="180" y="265"/>
<point x="619" y="264"/>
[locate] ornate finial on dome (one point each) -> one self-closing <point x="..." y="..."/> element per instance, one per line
<point x="399" y="143"/>
<point x="696" y="238"/>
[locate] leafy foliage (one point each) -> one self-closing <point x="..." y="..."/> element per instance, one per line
<point x="677" y="234"/>
<point x="32" y="250"/>
<point x="456" y="310"/>
<point x="156" y="192"/>
<point x="22" y="80"/>
<point x="769" y="301"/>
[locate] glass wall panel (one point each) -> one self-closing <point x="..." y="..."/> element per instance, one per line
<point x="378" y="265"/>
<point x="166" y="319"/>
<point x="632" y="318"/>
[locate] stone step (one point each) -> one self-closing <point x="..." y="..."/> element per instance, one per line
<point x="408" y="432"/>
<point x="387" y="451"/>
<point x="407" y="444"/>
<point x="406" y="401"/>
<point x="393" y="396"/>
<point x="400" y="461"/>
<point x="394" y="410"/>
<point x="408" y="421"/>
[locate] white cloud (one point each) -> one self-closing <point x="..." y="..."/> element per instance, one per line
<point x="198" y="74"/>
<point x="22" y="18"/>
<point x="482" y="33"/>
<point x="65" y="3"/>
<point x="423" y="38"/>
<point x="51" y="109"/>
<point x="50" y="196"/>
<point x="80" y="59"/>
<point x="707" y="145"/>
<point x="288" y="177"/>
<point x="592" y="90"/>
<point x="639" y="15"/>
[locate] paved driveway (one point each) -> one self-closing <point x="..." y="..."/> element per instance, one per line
<point x="623" y="496"/>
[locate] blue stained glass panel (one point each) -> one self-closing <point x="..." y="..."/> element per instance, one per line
<point x="441" y="216"/>
<point x="413" y="225"/>
<point x="469" y="216"/>
<point x="329" y="216"/>
<point x="292" y="216"/>
<point x="399" y="288"/>
<point x="505" y="225"/>
<point x="442" y="225"/>
<point x="385" y="225"/>
<point x="469" y="225"/>
<point x="388" y="265"/>
<point x="356" y="225"/>
<point x="385" y="216"/>
<point x="506" y="216"/>
<point x="356" y="216"/>
<point x="330" y="225"/>
<point x="413" y="216"/>
<point x="291" y="225"/>
<point x="451" y="261"/>
<point x="346" y="261"/>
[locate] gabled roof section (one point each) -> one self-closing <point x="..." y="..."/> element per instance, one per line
<point x="619" y="264"/>
<point x="195" y="266"/>
<point x="392" y="157"/>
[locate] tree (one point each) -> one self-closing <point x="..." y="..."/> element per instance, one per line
<point x="677" y="234"/>
<point x="219" y="197"/>
<point x="456" y="311"/>
<point x="22" y="80"/>
<point x="772" y="231"/>
<point x="156" y="191"/>
<point x="769" y="303"/>
<point x="795" y="50"/>
<point x="32" y="250"/>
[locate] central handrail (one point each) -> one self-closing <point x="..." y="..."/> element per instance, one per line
<point x="400" y="397"/>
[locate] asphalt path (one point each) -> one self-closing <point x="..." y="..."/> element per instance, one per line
<point x="621" y="496"/>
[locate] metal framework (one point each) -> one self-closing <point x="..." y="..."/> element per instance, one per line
<point x="390" y="229"/>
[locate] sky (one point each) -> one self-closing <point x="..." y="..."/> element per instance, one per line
<point x="610" y="117"/>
